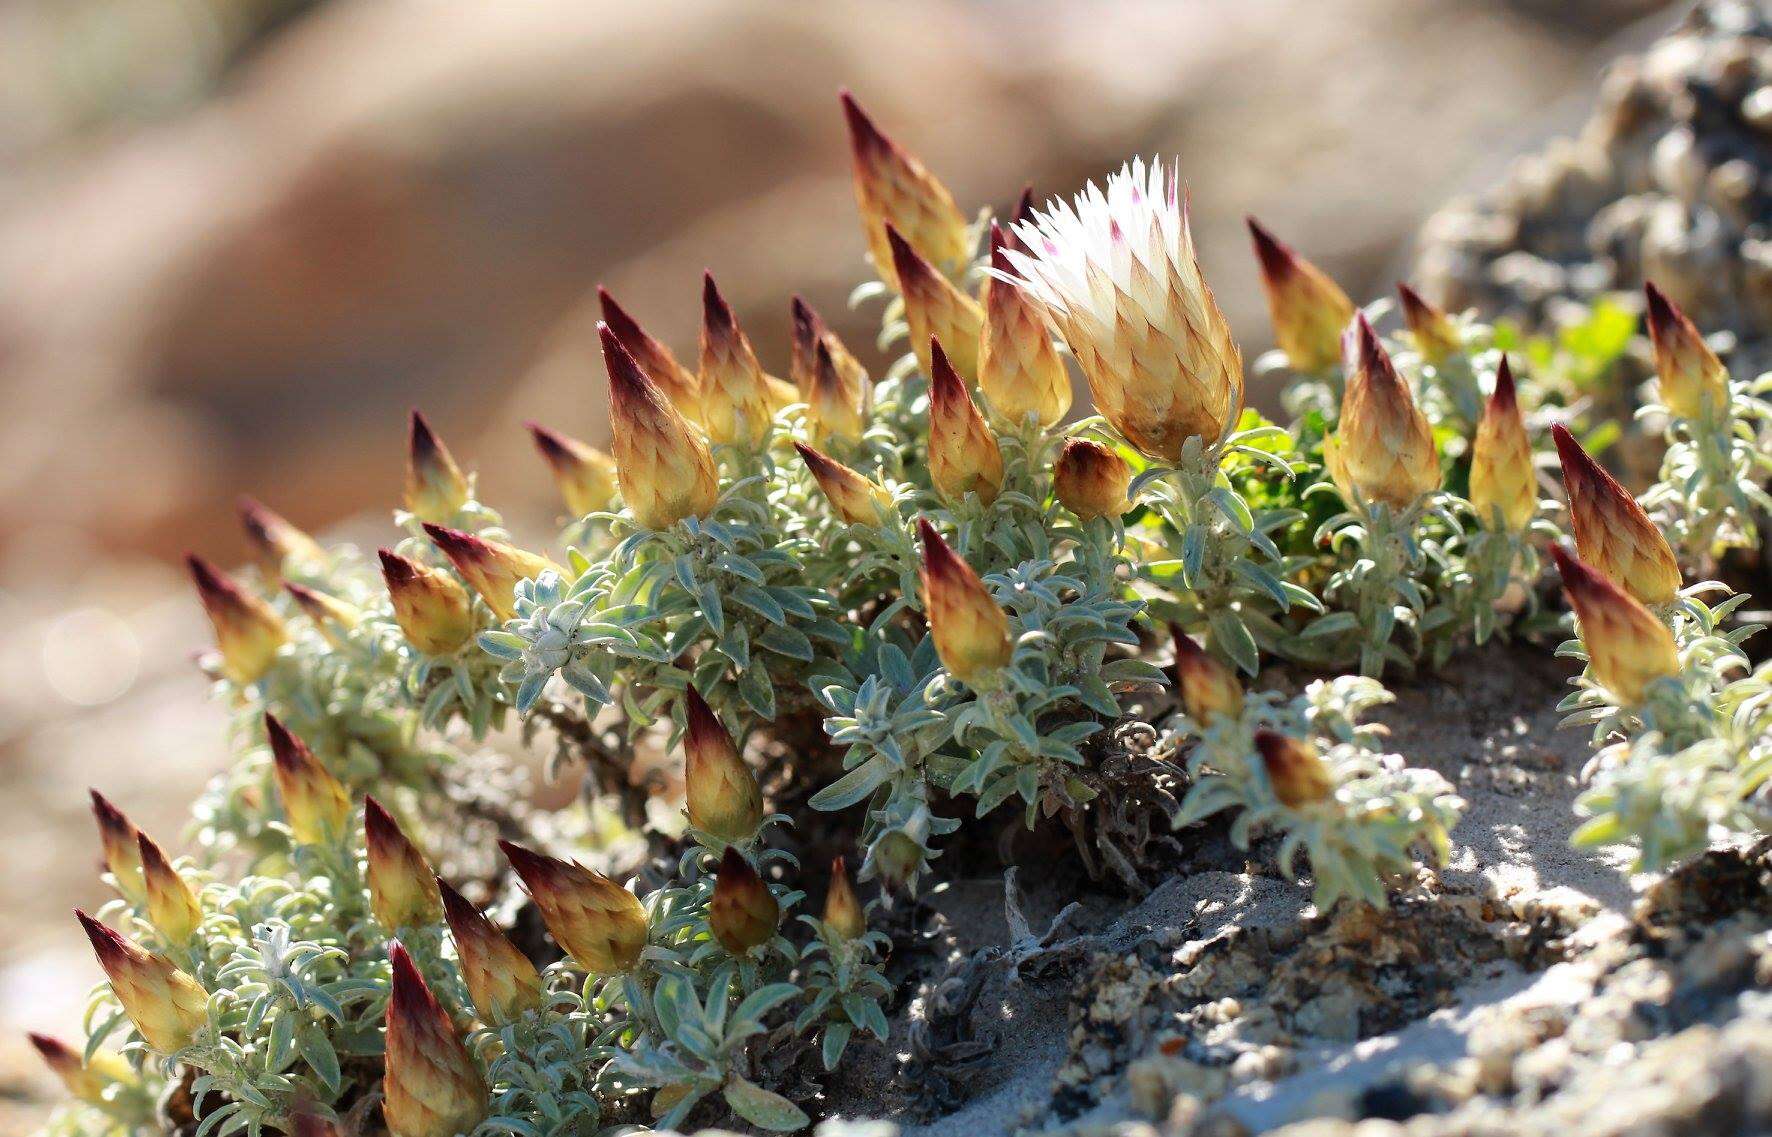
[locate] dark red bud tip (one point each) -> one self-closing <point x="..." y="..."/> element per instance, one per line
<point x="207" y="576"/>
<point x="906" y="261"/>
<point x="456" y="907"/>
<point x="396" y="569"/>
<point x="1576" y="461"/>
<point x="53" y="1050"/>
<point x="620" y="322"/>
<point x="1024" y="209"/>
<point x="405" y="971"/>
<point x="1661" y="310"/>
<point x="1186" y="647"/>
<point x="527" y="862"/>
<point x="1504" y="397"/>
<point x="1277" y="258"/>
<point x="286" y="749"/>
<point x="378" y="823"/>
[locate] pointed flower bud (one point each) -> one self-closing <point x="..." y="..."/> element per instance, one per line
<point x="1612" y="532"/>
<point x="963" y="453"/>
<point x="971" y="632"/>
<point x="275" y="541"/>
<point x="117" y="837"/>
<point x="1627" y="647"/>
<point x="330" y="614"/>
<point x="314" y="802"/>
<point x="436" y="489"/>
<point x="810" y="330"/>
<point x="665" y="469"/>
<point x="743" y="912"/>
<point x="1119" y="279"/>
<point x="431" y="607"/>
<point x="1503" y="480"/>
<point x="894" y="189"/>
<point x="166" y="1005"/>
<point x="402" y="888"/>
<point x="247" y="632"/>
<point x="584" y="474"/>
<point x="432" y="1086"/>
<point x="1209" y="690"/>
<point x="492" y="568"/>
<point x="935" y="309"/>
<point x="1308" y="309"/>
<point x="837" y="403"/>
<point x="501" y="980"/>
<point x="1384" y="447"/>
<point x="855" y="498"/>
<point x="678" y="383"/>
<point x="1090" y="479"/>
<point x="85" y="1080"/>
<point x="843" y="913"/>
<point x="723" y="797"/>
<point x="1018" y="368"/>
<point x="1694" y="382"/>
<point x="1294" y="769"/>
<point x="596" y="921"/>
<point x="1436" y="337"/>
<point x="735" y="406"/>
<point x="172" y="904"/>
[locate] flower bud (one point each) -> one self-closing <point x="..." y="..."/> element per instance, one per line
<point x="1694" y="382"/>
<point x="247" y="632"/>
<point x="664" y="467"/>
<point x="837" y="403"/>
<point x="1436" y="338"/>
<point x="1504" y="482"/>
<point x="734" y="403"/>
<point x="1208" y="689"/>
<point x="1612" y="532"/>
<point x="899" y="855"/>
<point x="893" y="189"/>
<point x="678" y="383"/>
<point x="436" y="489"/>
<point x="1294" y="769"/>
<point x="743" y="913"/>
<point x="501" y="980"/>
<point x="275" y="541"/>
<point x="1308" y="309"/>
<point x="1090" y="479"/>
<point x="330" y="614"/>
<point x="314" y="802"/>
<point x="431" y="1086"/>
<point x="431" y="607"/>
<point x="843" y="913"/>
<point x="935" y="309"/>
<point x="809" y="331"/>
<point x="854" y="498"/>
<point x="172" y="904"/>
<point x="402" y="888"/>
<point x="492" y="568"/>
<point x="723" y="797"/>
<point x="85" y="1080"/>
<point x="971" y="632"/>
<point x="1384" y="448"/>
<point x="963" y="453"/>
<point x="584" y="474"/>
<point x="596" y="921"/>
<point x="1627" y="647"/>
<point x="1019" y="370"/>
<point x="312" y="1125"/>
<point x="117" y="837"/>
<point x="166" y="1005"/>
<point x="1119" y="279"/>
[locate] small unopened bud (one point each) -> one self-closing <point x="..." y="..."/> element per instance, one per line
<point x="431" y="1086"/>
<point x="1090" y="479"/>
<point x="837" y="402"/>
<point x="402" y="888"/>
<point x="678" y="383"/>
<point x="893" y="188"/>
<point x="247" y="632"/>
<point x="1308" y="309"/>
<point x="584" y="474"/>
<point x="117" y="837"/>
<point x="843" y="913"/>
<point x="86" y="1080"/>
<point x="275" y="541"/>
<point x="855" y="498"/>
<point x="596" y="921"/>
<point x="501" y="980"/>
<point x="1627" y="647"/>
<point x="743" y="912"/>
<point x="492" y="568"/>
<point x="314" y="802"/>
<point x="1209" y="690"/>
<point x="1383" y="451"/>
<point x="664" y="467"/>
<point x="809" y="331"/>
<point x="166" y="1005"/>
<point x="330" y="614"/>
<point x="735" y="405"/>
<point x="1504" y="482"/>
<point x="971" y="632"/>
<point x="1436" y="338"/>
<point x="1019" y="370"/>
<point x="935" y="309"/>
<point x="1694" y="382"/>
<point x="723" y="797"/>
<point x="897" y="857"/>
<point x="1294" y="769"/>
<point x="1612" y="532"/>
<point x="436" y="489"/>
<point x="963" y="453"/>
<point x="173" y="908"/>
<point x="431" y="607"/>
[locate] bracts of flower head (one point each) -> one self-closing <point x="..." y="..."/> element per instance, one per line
<point x="502" y="982"/>
<point x="743" y="914"/>
<point x="935" y="309"/>
<point x="1503" y="481"/>
<point x="402" y="889"/>
<point x="1295" y="770"/>
<point x="1308" y="309"/>
<point x="276" y="543"/>
<point x="118" y="843"/>
<point x="1090" y="480"/>
<point x="855" y="498"/>
<point x="585" y="475"/>
<point x="1383" y="452"/>
<point x="808" y="332"/>
<point x="167" y="1006"/>
<point x="315" y="803"/>
<point x="1209" y="691"/>
<point x="1694" y="384"/>
<point x="432" y="1086"/>
<point x="736" y="407"/>
<point x="894" y="190"/>
<point x="843" y="913"/>
<point x="432" y="608"/>
<point x="86" y="1079"/>
<point x="1628" y="648"/>
<point x="1435" y="336"/>
<point x="1612" y="533"/>
<point x="723" y="799"/>
<point x="964" y="457"/>
<point x="596" y="921"/>
<point x="837" y="399"/>
<point x="970" y="629"/>
<point x="248" y="632"/>
<point x="1019" y="370"/>
<point x="332" y="616"/>
<point x="679" y="384"/>
<point x="436" y="489"/>
<point x="492" y="569"/>
<point x="665" y="468"/>
<point x="172" y="904"/>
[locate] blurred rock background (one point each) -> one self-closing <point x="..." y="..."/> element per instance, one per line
<point x="240" y="238"/>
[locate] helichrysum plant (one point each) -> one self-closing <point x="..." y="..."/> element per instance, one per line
<point x="871" y="607"/>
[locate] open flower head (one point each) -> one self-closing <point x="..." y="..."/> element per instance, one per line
<point x="893" y="188"/>
<point x="664" y="467"/>
<point x="432" y="1086"/>
<point x="971" y="632"/>
<point x="402" y="888"/>
<point x="678" y="383"/>
<point x="247" y="631"/>
<point x="936" y="309"/>
<point x="1090" y="479"/>
<point x="963" y="453"/>
<point x="501" y="980"/>
<point x="1383" y="451"/>
<point x="1503" y="482"/>
<point x="596" y="921"/>
<point x="1612" y="532"/>
<point x="1307" y="308"/>
<point x="735" y="402"/>
<point x="1627" y="647"/>
<point x="431" y="607"/>
<point x="166" y="1005"/>
<point x="1019" y="370"/>
<point x="584" y="474"/>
